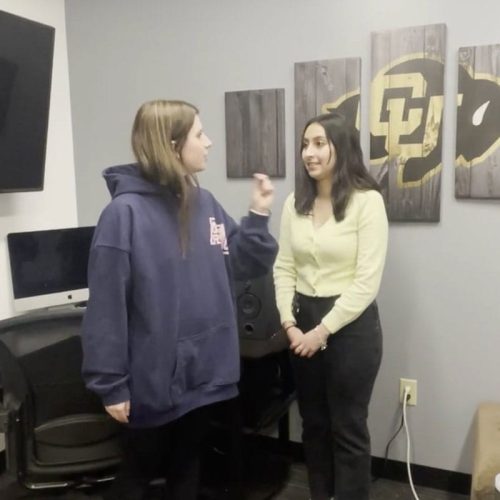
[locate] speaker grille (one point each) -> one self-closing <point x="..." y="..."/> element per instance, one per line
<point x="258" y="317"/>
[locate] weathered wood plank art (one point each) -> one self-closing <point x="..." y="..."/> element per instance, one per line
<point x="406" y="112"/>
<point x="477" y="163"/>
<point x="255" y="132"/>
<point x="323" y="86"/>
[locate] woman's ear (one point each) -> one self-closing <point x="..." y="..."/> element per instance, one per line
<point x="174" y="147"/>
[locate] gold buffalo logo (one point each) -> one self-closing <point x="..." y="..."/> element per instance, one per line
<point x="406" y="117"/>
<point x="347" y="105"/>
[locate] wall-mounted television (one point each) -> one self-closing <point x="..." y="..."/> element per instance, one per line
<point x="26" y="54"/>
<point x="49" y="268"/>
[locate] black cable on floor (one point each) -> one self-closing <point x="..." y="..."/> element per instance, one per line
<point x="386" y="455"/>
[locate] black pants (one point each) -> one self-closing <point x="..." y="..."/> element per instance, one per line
<point x="171" y="451"/>
<point x="333" y="392"/>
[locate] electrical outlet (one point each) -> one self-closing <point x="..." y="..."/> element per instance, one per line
<point x="412" y="385"/>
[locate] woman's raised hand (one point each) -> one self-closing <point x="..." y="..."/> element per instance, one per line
<point x="262" y="194"/>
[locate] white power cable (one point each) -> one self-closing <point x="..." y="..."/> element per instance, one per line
<point x="405" y="400"/>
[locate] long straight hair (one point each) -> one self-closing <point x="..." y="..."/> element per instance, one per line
<point x="349" y="171"/>
<point x="159" y="133"/>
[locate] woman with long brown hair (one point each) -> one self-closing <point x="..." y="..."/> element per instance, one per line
<point x="160" y="336"/>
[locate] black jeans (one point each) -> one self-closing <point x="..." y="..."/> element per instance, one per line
<point x="171" y="451"/>
<point x="333" y="392"/>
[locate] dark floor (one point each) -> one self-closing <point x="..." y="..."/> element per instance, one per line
<point x="294" y="488"/>
<point x="383" y="489"/>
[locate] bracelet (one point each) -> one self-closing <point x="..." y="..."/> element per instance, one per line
<point x="324" y="344"/>
<point x="289" y="326"/>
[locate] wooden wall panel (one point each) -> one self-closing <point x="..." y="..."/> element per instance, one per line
<point x="406" y="111"/>
<point x="477" y="164"/>
<point x="323" y="86"/>
<point x="255" y="132"/>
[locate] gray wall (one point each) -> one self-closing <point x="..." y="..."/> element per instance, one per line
<point x="439" y="296"/>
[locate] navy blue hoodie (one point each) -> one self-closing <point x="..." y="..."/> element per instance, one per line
<point x="160" y="329"/>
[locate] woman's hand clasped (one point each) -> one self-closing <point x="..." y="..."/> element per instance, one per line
<point x="306" y="344"/>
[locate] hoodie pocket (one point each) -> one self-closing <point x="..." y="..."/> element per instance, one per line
<point x="206" y="360"/>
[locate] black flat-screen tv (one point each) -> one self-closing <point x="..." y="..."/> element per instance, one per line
<point x="49" y="268"/>
<point x="26" y="54"/>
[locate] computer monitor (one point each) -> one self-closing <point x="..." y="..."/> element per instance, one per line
<point x="49" y="268"/>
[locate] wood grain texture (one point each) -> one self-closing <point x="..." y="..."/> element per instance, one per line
<point x="321" y="87"/>
<point x="477" y="158"/>
<point x="406" y="110"/>
<point x="255" y="132"/>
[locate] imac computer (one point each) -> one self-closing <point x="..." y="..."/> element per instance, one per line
<point x="49" y="268"/>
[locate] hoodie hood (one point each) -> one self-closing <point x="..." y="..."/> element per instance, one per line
<point x="128" y="179"/>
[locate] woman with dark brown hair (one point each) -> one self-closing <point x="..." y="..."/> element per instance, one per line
<point x="333" y="243"/>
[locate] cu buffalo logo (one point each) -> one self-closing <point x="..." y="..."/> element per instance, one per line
<point x="347" y="105"/>
<point x="406" y="119"/>
<point x="478" y="123"/>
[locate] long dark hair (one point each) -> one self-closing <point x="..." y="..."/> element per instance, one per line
<point x="349" y="171"/>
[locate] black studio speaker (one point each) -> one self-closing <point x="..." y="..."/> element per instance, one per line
<point x="258" y="317"/>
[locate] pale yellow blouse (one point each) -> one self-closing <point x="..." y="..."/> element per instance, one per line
<point x="338" y="258"/>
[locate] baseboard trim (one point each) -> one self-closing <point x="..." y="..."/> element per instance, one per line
<point x="439" y="479"/>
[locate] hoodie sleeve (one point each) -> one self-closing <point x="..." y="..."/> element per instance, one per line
<point x="252" y="248"/>
<point x="105" y="325"/>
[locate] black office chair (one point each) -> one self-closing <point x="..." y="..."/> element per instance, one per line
<point x="57" y="432"/>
